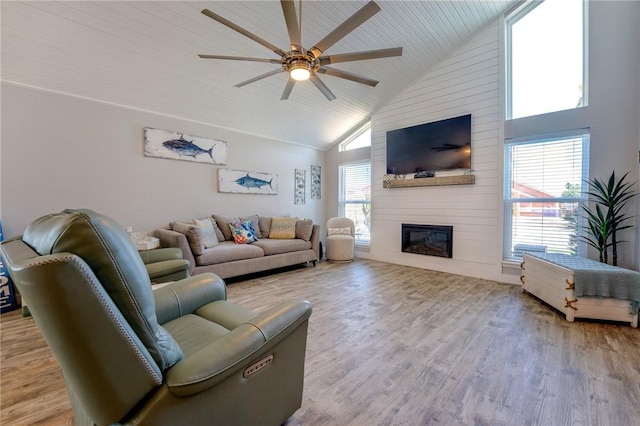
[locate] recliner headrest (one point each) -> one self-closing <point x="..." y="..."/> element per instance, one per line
<point x="110" y="253"/>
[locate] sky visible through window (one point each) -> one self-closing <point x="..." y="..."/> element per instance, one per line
<point x="547" y="59"/>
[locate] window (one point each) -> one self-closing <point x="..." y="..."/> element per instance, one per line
<point x="355" y="198"/>
<point x="543" y="194"/>
<point x="545" y="58"/>
<point x="358" y="139"/>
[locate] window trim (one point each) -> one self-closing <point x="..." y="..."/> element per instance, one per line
<point x="515" y="16"/>
<point x="354" y="135"/>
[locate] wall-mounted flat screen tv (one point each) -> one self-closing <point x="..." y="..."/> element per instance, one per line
<point x="436" y="146"/>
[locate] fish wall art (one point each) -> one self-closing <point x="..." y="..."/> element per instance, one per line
<point x="316" y="182"/>
<point x="243" y="182"/>
<point x="299" y="183"/>
<point x="180" y="146"/>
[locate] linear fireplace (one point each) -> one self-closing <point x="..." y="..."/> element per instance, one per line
<point x="430" y="240"/>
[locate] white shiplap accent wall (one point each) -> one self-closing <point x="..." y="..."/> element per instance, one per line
<point x="466" y="82"/>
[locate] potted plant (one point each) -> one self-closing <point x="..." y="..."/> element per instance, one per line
<point x="607" y="219"/>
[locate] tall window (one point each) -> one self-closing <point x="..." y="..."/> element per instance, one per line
<point x="546" y="58"/>
<point x="358" y="139"/>
<point x="543" y="194"/>
<point x="355" y="198"/>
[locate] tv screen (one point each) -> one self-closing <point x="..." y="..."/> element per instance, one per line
<point x="441" y="145"/>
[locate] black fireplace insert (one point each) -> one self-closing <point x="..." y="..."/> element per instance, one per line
<point x="430" y="240"/>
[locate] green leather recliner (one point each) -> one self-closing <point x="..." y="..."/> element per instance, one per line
<point x="181" y="354"/>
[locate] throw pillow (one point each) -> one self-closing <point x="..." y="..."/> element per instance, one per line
<point x="255" y="222"/>
<point x="339" y="231"/>
<point x="265" y="226"/>
<point x="223" y="224"/>
<point x="283" y="228"/>
<point x="304" y="228"/>
<point x="209" y="237"/>
<point x="243" y="232"/>
<point x="216" y="228"/>
<point x="193" y="234"/>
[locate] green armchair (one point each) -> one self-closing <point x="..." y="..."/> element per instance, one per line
<point x="181" y="354"/>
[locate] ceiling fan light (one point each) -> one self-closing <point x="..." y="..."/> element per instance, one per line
<point x="300" y="71"/>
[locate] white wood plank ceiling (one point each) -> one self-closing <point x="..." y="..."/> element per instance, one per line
<point x="144" y="55"/>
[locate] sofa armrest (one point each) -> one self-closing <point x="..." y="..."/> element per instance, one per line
<point x="160" y="255"/>
<point x="169" y="238"/>
<point x="315" y="240"/>
<point x="186" y="296"/>
<point x="228" y="355"/>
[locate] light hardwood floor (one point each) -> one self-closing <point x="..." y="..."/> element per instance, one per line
<point x="394" y="345"/>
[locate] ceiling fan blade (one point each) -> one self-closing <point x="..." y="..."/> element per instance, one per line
<point x="289" y="11"/>
<point x="287" y="89"/>
<point x="322" y="87"/>
<point x="348" y="76"/>
<point x="240" y="58"/>
<point x="242" y="31"/>
<point x="357" y="19"/>
<point x="260" y="77"/>
<point x="360" y="56"/>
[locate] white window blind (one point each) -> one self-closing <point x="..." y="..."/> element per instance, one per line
<point x="355" y="198"/>
<point x="544" y="182"/>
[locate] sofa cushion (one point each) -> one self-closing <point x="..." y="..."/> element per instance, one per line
<point x="228" y="251"/>
<point x="265" y="226"/>
<point x="193" y="234"/>
<point x="304" y="227"/>
<point x="243" y="233"/>
<point x="283" y="228"/>
<point x="223" y="223"/>
<point x="209" y="237"/>
<point x="276" y="246"/>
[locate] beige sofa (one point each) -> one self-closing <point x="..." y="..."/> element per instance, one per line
<point x="224" y="256"/>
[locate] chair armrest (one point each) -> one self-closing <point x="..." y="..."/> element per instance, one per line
<point x="186" y="296"/>
<point x="229" y="354"/>
<point x="168" y="270"/>
<point x="160" y="255"/>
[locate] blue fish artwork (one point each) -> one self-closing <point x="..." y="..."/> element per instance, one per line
<point x="251" y="182"/>
<point x="247" y="182"/>
<point x="184" y="147"/>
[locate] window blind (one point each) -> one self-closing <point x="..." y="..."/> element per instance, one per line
<point x="543" y="194"/>
<point x="355" y="198"/>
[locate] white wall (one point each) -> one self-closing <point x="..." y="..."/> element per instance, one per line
<point x="467" y="82"/>
<point x="60" y="152"/>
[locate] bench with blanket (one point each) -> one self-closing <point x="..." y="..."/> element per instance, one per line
<point x="582" y="288"/>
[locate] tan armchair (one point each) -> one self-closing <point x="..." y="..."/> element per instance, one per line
<point x="340" y="239"/>
<point x="179" y="355"/>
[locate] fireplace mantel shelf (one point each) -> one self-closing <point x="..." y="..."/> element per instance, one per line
<point x="434" y="181"/>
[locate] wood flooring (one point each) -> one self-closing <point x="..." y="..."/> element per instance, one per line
<point x="394" y="345"/>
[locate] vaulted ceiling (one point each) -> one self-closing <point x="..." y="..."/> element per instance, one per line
<point x="144" y="55"/>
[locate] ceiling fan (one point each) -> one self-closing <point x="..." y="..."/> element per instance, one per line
<point x="306" y="64"/>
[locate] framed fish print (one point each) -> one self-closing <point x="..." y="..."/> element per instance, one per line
<point x="299" y="186"/>
<point x="243" y="182"/>
<point x="180" y="146"/>
<point x="316" y="180"/>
